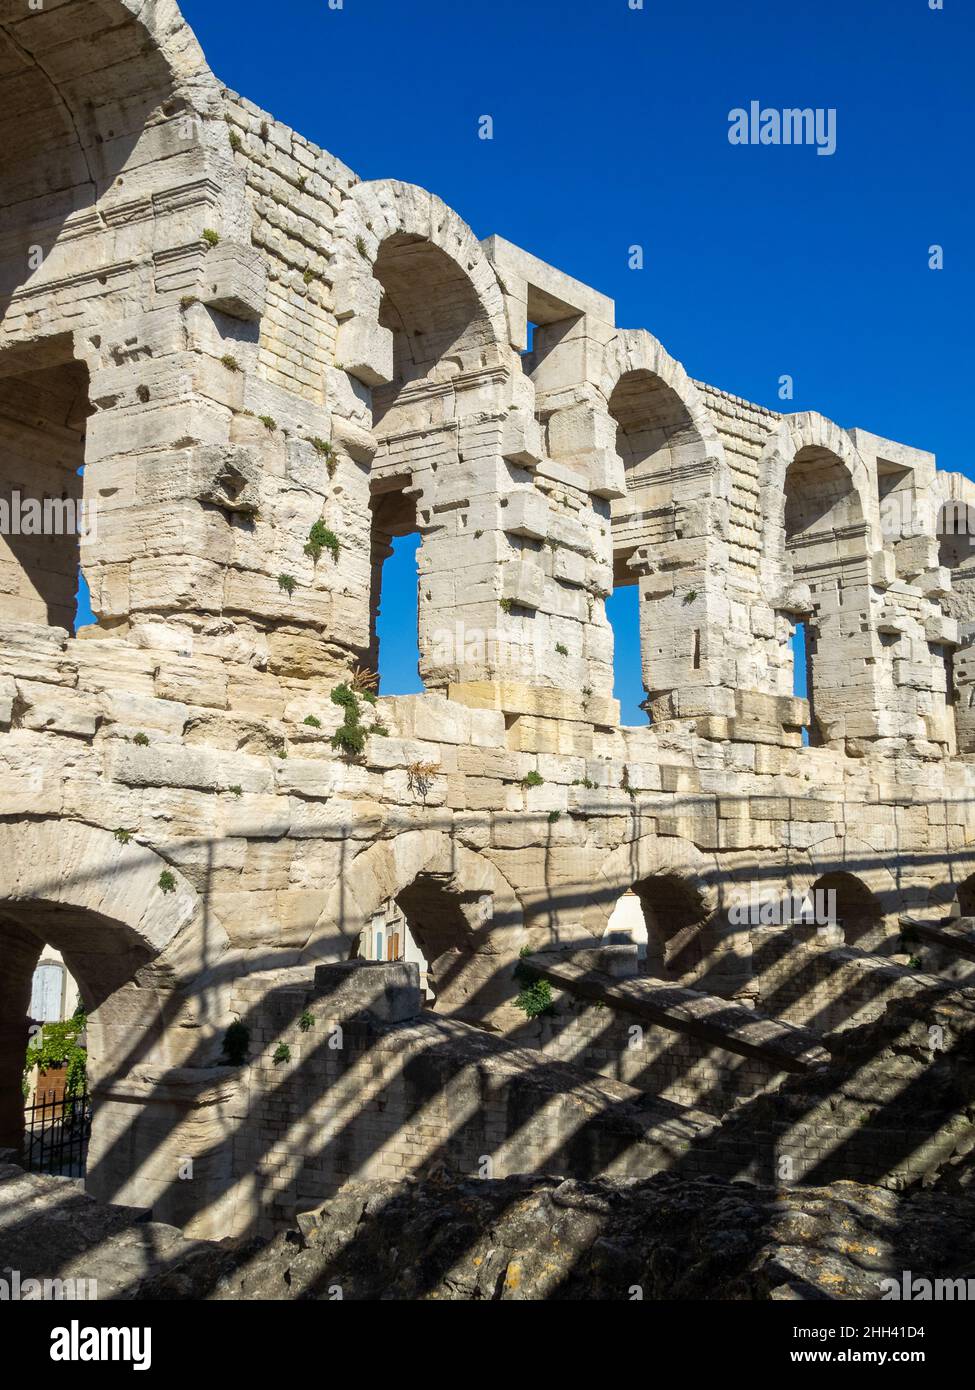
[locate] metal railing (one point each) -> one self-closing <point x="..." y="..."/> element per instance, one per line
<point x="56" y="1133"/>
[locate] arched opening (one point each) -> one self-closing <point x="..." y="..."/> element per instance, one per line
<point x="434" y="924"/>
<point x="841" y="899"/>
<point x="825" y="548"/>
<point x="664" y="460"/>
<point x="43" y="515"/>
<point x="103" y="956"/>
<point x="441" y="335"/>
<point x="674" y="916"/>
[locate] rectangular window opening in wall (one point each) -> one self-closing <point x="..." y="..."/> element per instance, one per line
<point x="623" y="613"/>
<point x="803" y="655"/>
<point x="44" y="407"/>
<point x="394" y="647"/>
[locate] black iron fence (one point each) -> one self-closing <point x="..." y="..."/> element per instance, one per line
<point x="56" y="1133"/>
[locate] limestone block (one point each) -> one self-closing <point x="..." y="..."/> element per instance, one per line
<point x="171" y="765"/>
<point x="8" y="694"/>
<point x="569" y="567"/>
<point x="523" y="583"/>
<point x="521" y="439"/>
<point x="365" y="350"/>
<point x="915" y="554"/>
<point x="883" y="569"/>
<point x="525" y="512"/>
<point x="227" y="478"/>
<point x="606" y="473"/>
<point x="389" y="990"/>
<point x="235" y="280"/>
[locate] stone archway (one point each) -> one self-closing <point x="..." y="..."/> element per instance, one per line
<point x="462" y="911"/>
<point x="821" y="527"/>
<point x="138" y="953"/>
<point x="678" y="889"/>
<point x="669" y="527"/>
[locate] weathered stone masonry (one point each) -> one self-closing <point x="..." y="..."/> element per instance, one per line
<point x="239" y="341"/>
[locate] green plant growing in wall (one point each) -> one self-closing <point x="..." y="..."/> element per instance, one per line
<point x="379" y="730"/>
<point x="236" y="144"/>
<point x="269" y="422"/>
<point x="122" y="835"/>
<point x="306" y="1021"/>
<point x="553" y="816"/>
<point x="230" y="363"/>
<point x="562" y="649"/>
<point x="59" y="1045"/>
<point x="167" y="881"/>
<point x="282" y="1053"/>
<point x="321" y="538"/>
<point x="535" y="999"/>
<point x="349" y="738"/>
<point x="505" y="604"/>
<point x="532" y="779"/>
<point x="236" y="1043"/>
<point x="690" y="596"/>
<point x="141" y="739"/>
<point x="360" y="246"/>
<point x="325" y="451"/>
<point x="301" y="180"/>
<point x="312" y="721"/>
<point x="288" y="583"/>
<point x="236" y="791"/>
<point x="211" y="237"/>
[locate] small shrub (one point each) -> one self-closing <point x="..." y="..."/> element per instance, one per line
<point x="554" y="816"/>
<point x="915" y="962"/>
<point x="123" y="836"/>
<point x="350" y="740"/>
<point x="211" y="237"/>
<point x="306" y="1021"/>
<point x="364" y="682"/>
<point x="187" y="300"/>
<point x="532" y="779"/>
<point x="505" y="605"/>
<point x="167" y="881"/>
<point x="288" y="583"/>
<point x="360" y="246"/>
<point x="269" y="422"/>
<point x="535" y="999"/>
<point x="282" y="1053"/>
<point x="142" y="740"/>
<point x="379" y="731"/>
<point x="236" y="144"/>
<point x="420" y="777"/>
<point x="236" y="791"/>
<point x="265" y="132"/>
<point x="312" y="721"/>
<point x="690" y="596"/>
<point x="562" y="649"/>
<point x="321" y="538"/>
<point x="230" y="363"/>
<point x="236" y="1043"/>
<point x="301" y="181"/>
<point x="309" y="276"/>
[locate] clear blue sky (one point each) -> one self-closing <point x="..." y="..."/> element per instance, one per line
<point x="611" y="128"/>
